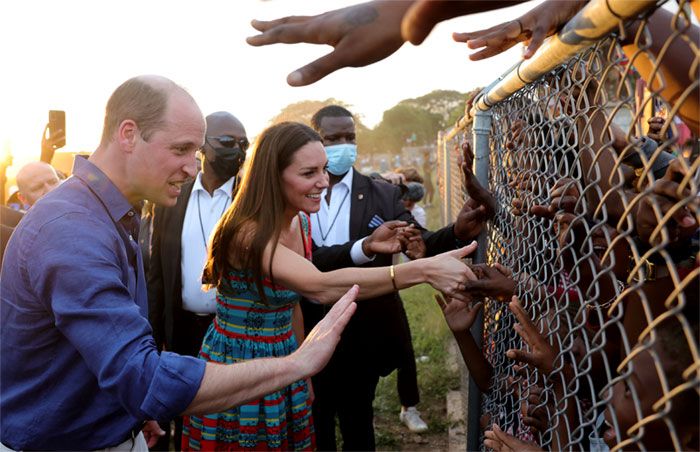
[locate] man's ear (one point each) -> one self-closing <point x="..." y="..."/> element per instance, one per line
<point x="127" y="134"/>
<point x="21" y="197"/>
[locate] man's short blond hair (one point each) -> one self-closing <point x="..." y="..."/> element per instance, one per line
<point x="142" y="99"/>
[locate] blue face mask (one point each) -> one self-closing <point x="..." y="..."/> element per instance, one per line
<point x="341" y="157"/>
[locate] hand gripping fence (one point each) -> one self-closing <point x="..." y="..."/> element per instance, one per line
<point x="591" y="151"/>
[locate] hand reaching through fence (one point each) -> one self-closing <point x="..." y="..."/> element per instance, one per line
<point x="540" y="353"/>
<point x="480" y="205"/>
<point x="460" y="317"/>
<point x="564" y="196"/>
<point x="500" y="441"/>
<point x="665" y="206"/>
<point x="494" y="281"/>
<point x="656" y="123"/>
<point x="531" y="28"/>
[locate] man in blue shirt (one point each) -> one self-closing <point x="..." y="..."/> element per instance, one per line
<point x="78" y="365"/>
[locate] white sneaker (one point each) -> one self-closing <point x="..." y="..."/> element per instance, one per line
<point x="411" y="417"/>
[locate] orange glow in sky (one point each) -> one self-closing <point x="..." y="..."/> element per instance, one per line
<point x="70" y="55"/>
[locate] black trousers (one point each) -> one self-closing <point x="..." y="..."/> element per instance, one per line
<point x="347" y="394"/>
<point x="407" y="374"/>
<point x="188" y="342"/>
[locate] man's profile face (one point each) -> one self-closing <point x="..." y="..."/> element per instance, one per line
<point x="160" y="166"/>
<point x="337" y="130"/>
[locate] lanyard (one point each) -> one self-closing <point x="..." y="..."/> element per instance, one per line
<point x="330" y="228"/>
<point x="201" y="224"/>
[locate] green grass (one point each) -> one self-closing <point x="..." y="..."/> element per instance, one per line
<point x="430" y="335"/>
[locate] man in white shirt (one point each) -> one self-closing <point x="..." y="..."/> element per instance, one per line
<point x="180" y="312"/>
<point x="355" y="206"/>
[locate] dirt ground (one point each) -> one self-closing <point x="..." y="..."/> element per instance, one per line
<point x="392" y="435"/>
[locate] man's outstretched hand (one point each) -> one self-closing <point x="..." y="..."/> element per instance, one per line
<point x="360" y="35"/>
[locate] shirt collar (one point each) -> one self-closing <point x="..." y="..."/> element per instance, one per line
<point x="346" y="180"/>
<point x="226" y="187"/>
<point x="114" y="200"/>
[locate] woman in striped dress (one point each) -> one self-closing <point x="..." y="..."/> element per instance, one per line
<point x="259" y="262"/>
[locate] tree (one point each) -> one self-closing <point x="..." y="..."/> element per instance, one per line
<point x="304" y="110"/>
<point x="440" y="102"/>
<point x="405" y="124"/>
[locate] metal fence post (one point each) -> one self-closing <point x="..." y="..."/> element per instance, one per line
<point x="480" y="133"/>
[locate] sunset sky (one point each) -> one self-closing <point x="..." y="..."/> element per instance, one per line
<point x="70" y="55"/>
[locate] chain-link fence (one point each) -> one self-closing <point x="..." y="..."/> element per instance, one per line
<point x="595" y="169"/>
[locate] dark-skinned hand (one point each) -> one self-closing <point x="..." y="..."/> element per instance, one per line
<point x="412" y="243"/>
<point x="665" y="199"/>
<point x="531" y="28"/>
<point x="563" y="196"/>
<point x="656" y="123"/>
<point x="359" y="34"/>
<point x="384" y="239"/>
<point x="480" y="205"/>
<point x="494" y="282"/>
<point x="501" y="441"/>
<point x="539" y="353"/>
<point x="459" y="315"/>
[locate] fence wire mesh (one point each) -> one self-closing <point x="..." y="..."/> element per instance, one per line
<point x="595" y="170"/>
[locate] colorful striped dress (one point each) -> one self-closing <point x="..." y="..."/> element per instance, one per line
<point x="244" y="329"/>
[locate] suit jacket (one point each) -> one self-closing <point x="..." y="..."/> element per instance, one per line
<point x="376" y="332"/>
<point x="165" y="274"/>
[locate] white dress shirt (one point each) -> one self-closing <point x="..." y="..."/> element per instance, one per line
<point x="202" y="213"/>
<point x="331" y="224"/>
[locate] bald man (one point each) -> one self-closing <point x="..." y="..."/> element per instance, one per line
<point x="34" y="180"/>
<point x="179" y="310"/>
<point x="79" y="369"/>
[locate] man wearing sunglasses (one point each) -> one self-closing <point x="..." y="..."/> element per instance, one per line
<point x="179" y="310"/>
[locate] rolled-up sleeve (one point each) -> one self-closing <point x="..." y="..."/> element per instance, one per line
<point x="81" y="274"/>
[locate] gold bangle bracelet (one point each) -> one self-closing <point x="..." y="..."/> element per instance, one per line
<point x="393" y="278"/>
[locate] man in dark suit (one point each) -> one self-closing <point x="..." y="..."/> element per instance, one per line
<point x="179" y="310"/>
<point x="353" y="207"/>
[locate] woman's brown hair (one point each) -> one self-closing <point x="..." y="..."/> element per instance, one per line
<point x="256" y="216"/>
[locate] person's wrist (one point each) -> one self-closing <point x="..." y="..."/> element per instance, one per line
<point x="366" y="247"/>
<point x="295" y="365"/>
<point x="428" y="270"/>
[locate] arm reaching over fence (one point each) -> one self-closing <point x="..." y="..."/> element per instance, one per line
<point x="460" y="316"/>
<point x="531" y="28"/>
<point x="360" y="35"/>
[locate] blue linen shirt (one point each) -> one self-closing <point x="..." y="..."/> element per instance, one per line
<point x="79" y="368"/>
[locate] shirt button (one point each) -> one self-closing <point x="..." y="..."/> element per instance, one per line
<point x="131" y="213"/>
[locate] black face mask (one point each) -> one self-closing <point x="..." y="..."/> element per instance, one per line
<point x="227" y="162"/>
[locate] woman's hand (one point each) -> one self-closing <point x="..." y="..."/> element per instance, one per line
<point x="447" y="273"/>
